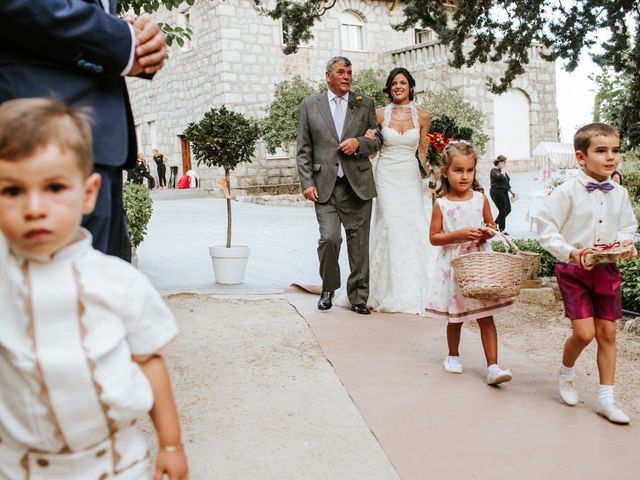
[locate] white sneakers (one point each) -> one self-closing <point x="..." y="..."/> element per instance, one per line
<point x="496" y="375"/>
<point x="567" y="388"/>
<point x="452" y="364"/>
<point x="613" y="413"/>
<point x="608" y="410"/>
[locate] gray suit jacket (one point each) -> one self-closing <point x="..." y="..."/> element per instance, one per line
<point x="318" y="142"/>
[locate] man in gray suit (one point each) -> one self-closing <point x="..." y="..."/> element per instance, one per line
<point x="335" y="173"/>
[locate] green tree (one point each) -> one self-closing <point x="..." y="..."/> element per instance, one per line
<point x="499" y="29"/>
<point x="454" y="116"/>
<point x="280" y="126"/>
<point x="370" y="81"/>
<point x="223" y="138"/>
<point x="173" y="32"/>
<point x="611" y="93"/>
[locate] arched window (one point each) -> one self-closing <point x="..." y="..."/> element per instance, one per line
<point x="512" y="125"/>
<point x="351" y="31"/>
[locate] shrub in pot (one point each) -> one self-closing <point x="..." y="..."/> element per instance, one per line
<point x="225" y="139"/>
<point x="138" y="208"/>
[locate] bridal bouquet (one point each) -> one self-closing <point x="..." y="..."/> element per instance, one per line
<point x="438" y="141"/>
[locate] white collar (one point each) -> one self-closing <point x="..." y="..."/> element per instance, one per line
<point x="81" y="242"/>
<point x="583" y="178"/>
<point x="332" y="95"/>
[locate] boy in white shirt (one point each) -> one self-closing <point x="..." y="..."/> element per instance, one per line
<point x="80" y="332"/>
<point x="586" y="211"/>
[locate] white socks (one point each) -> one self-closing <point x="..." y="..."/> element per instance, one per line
<point x="605" y="395"/>
<point x="605" y="392"/>
<point x="567" y="372"/>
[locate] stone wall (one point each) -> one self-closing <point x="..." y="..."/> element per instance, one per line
<point x="235" y="59"/>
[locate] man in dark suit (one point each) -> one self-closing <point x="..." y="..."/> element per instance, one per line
<point x="79" y="51"/>
<point x="335" y="173"/>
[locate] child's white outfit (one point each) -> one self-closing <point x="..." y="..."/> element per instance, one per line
<point x="573" y="217"/>
<point x="69" y="390"/>
<point x="445" y="299"/>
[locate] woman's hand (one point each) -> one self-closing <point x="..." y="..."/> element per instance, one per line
<point x="371" y="134"/>
<point x="173" y="464"/>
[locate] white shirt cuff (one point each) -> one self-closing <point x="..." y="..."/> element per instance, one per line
<point x="132" y="54"/>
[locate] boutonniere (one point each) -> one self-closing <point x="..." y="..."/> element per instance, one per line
<point x="355" y="103"/>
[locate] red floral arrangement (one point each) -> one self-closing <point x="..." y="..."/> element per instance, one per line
<point x="438" y="141"/>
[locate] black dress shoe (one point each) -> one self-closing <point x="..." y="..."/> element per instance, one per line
<point x="361" y="308"/>
<point x="325" y="300"/>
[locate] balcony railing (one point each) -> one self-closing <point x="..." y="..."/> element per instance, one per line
<point x="434" y="53"/>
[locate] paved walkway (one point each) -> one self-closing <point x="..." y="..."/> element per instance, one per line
<point x="437" y="425"/>
<point x="283" y="240"/>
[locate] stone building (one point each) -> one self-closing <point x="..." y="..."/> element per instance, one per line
<point x="235" y="59"/>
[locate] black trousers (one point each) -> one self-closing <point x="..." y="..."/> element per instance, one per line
<point x="501" y="199"/>
<point x="108" y="223"/>
<point x="162" y="176"/>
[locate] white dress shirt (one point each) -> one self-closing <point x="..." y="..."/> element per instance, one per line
<point x="332" y="104"/>
<point x="574" y="218"/>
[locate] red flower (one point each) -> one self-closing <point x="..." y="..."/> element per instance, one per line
<point x="438" y="141"/>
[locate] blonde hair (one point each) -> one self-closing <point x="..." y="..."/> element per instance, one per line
<point x="29" y="124"/>
<point x="456" y="147"/>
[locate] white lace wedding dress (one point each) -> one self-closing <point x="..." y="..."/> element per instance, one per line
<point x="398" y="253"/>
<point x="400" y="233"/>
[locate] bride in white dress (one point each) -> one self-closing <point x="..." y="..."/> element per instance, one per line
<point x="400" y="234"/>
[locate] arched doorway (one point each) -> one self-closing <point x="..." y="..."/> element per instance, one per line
<point x="511" y="125"/>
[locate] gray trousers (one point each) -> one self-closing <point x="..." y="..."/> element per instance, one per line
<point x="344" y="207"/>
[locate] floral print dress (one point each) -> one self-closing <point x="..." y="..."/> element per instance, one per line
<point x="444" y="298"/>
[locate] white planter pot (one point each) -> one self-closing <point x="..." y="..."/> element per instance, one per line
<point x="229" y="264"/>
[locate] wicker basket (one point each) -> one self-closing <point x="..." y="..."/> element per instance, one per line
<point x="530" y="265"/>
<point x="490" y="275"/>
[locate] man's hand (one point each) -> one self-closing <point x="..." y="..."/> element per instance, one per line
<point x="151" y="49"/>
<point x="349" y="146"/>
<point x="311" y="193"/>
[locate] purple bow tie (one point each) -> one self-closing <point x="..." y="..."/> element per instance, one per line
<point x="605" y="187"/>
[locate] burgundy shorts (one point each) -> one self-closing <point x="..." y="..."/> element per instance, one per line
<point x="590" y="293"/>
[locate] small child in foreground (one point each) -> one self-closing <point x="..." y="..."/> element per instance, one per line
<point x="587" y="211"/>
<point x="80" y="332"/>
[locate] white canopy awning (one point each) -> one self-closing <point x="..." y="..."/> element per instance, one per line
<point x="554" y="155"/>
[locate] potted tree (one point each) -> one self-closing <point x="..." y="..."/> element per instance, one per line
<point x="225" y="139"/>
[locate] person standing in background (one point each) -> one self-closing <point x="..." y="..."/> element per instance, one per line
<point x="161" y="166"/>
<point x="500" y="190"/>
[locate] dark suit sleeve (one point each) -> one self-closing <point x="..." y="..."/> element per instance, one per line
<point x="304" y="155"/>
<point x="69" y="33"/>
<point x="368" y="146"/>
